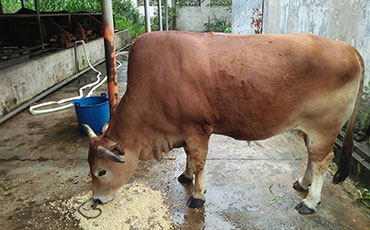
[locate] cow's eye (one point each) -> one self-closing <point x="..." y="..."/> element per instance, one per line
<point x="101" y="173"/>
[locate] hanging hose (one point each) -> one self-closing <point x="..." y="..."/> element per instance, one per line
<point x="63" y="102"/>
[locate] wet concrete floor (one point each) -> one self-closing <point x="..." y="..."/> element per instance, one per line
<point x="43" y="158"/>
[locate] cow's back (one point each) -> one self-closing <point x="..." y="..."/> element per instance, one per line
<point x="247" y="87"/>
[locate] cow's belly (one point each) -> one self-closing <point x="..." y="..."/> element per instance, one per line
<point x="252" y="134"/>
<point x="257" y="128"/>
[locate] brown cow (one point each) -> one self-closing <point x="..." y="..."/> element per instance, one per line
<point x="182" y="87"/>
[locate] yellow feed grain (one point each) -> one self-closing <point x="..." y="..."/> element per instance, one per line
<point x="136" y="206"/>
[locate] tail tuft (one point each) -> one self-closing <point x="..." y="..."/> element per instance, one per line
<point x="344" y="162"/>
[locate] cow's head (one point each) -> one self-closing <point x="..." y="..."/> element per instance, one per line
<point x="110" y="165"/>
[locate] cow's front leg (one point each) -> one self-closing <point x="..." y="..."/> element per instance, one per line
<point x="197" y="151"/>
<point x="187" y="176"/>
<point x="197" y="199"/>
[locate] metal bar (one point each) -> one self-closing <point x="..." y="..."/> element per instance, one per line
<point x="75" y="50"/>
<point x="22" y="1"/>
<point x="147" y="16"/>
<point x="174" y="17"/>
<point x="110" y="54"/>
<point x="1" y="8"/>
<point x="20" y="50"/>
<point x="90" y="24"/>
<point x="262" y="12"/>
<point x="160" y="15"/>
<point x="70" y="23"/>
<point x="39" y="22"/>
<point x="166" y="13"/>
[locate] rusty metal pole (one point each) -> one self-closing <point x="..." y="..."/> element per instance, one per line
<point x="147" y="16"/>
<point x="110" y="54"/>
<point x="160" y="15"/>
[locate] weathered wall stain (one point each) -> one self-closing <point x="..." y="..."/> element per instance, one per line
<point x="345" y="20"/>
<point x="256" y="20"/>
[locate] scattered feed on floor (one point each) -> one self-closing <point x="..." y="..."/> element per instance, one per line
<point x="136" y="206"/>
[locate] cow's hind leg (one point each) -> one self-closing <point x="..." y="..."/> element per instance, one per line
<point x="302" y="184"/>
<point x="187" y="176"/>
<point x="320" y="151"/>
<point x="196" y="148"/>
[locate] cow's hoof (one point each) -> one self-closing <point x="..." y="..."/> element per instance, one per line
<point x="299" y="206"/>
<point x="303" y="209"/>
<point x="184" y="180"/>
<point x="298" y="187"/>
<point x="195" y="203"/>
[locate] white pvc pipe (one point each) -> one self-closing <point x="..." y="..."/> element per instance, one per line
<point x="63" y="102"/>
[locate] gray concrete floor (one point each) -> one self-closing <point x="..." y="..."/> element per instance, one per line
<point x="43" y="159"/>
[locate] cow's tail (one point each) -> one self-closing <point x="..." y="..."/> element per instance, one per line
<point x="347" y="148"/>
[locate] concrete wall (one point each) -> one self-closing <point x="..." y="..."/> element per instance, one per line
<point x="346" y="20"/>
<point x="22" y="82"/>
<point x="247" y="16"/>
<point x="192" y="18"/>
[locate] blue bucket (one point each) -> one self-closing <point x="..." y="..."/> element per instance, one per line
<point x="92" y="111"/>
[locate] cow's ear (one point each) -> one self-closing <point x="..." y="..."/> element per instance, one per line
<point x="118" y="148"/>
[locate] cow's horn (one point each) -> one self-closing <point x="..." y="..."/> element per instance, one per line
<point x="89" y="131"/>
<point x="105" y="128"/>
<point x="109" y="155"/>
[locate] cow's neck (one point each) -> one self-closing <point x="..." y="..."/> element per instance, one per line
<point x="130" y="130"/>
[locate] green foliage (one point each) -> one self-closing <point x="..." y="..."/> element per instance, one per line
<point x="276" y="199"/>
<point x="65" y="5"/>
<point x="220" y="3"/>
<point x="181" y="3"/>
<point x="126" y="15"/>
<point x="364" y="194"/>
<point x="125" y="8"/>
<point x="221" y="24"/>
<point x="136" y="29"/>
<point x="10" y="6"/>
<point x="228" y="30"/>
<point x="363" y="117"/>
<point x="227" y="3"/>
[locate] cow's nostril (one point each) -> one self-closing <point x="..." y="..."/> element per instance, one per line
<point x="96" y="202"/>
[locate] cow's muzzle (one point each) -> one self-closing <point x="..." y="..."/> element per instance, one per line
<point x="103" y="199"/>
